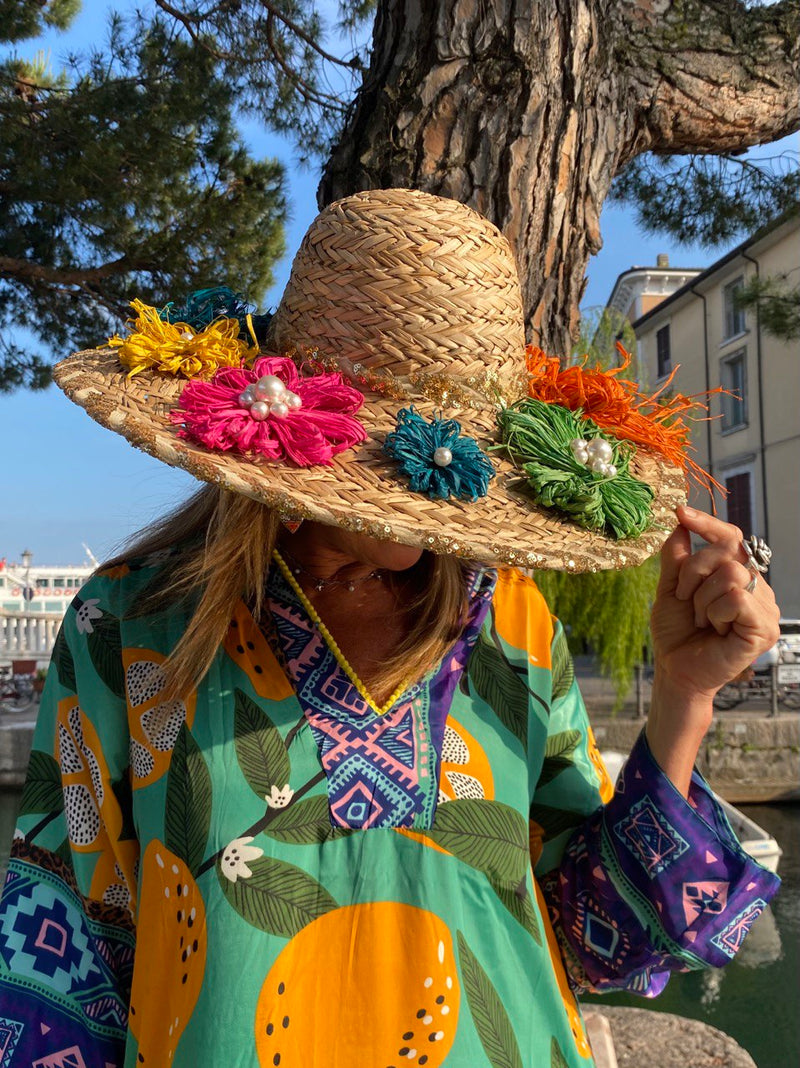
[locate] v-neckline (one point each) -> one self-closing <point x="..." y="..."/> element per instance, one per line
<point x="397" y="695"/>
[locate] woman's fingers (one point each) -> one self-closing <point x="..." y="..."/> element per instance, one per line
<point x="729" y="576"/>
<point x="755" y="615"/>
<point x="743" y="609"/>
<point x="724" y="547"/>
<point x="709" y="528"/>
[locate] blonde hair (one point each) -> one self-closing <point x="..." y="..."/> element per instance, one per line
<point x="222" y="544"/>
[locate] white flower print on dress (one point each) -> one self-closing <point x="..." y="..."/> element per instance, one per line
<point x="236" y="856"/>
<point x="279" y="798"/>
<point x="86" y="613"/>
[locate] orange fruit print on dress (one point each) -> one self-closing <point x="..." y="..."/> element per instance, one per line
<point x="153" y="724"/>
<point x="92" y="812"/>
<point x="522" y="618"/>
<point x="163" y="997"/>
<point x="369" y="984"/>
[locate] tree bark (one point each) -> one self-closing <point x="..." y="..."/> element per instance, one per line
<point x="526" y="109"/>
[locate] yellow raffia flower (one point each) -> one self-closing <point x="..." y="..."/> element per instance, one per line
<point x="177" y="349"/>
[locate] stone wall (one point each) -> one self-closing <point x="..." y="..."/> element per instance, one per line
<point x="747" y="758"/>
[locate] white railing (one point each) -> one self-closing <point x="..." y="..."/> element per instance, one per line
<point x="28" y="635"/>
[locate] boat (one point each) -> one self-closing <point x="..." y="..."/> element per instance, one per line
<point x="754" y="840"/>
<point x="33" y="600"/>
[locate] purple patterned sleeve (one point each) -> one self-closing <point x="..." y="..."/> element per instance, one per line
<point x="652" y="883"/>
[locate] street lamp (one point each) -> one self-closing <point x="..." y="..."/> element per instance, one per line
<point x="27" y="590"/>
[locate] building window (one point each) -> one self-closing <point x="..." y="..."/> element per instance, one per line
<point x="733" y="377"/>
<point x="42" y="583"/>
<point x="734" y="317"/>
<point x="740" y="501"/>
<point x="663" y="354"/>
<point x="59" y="582"/>
<point x="54" y="606"/>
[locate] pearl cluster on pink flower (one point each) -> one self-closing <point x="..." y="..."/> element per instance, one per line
<point x="272" y="410"/>
<point x="269" y="396"/>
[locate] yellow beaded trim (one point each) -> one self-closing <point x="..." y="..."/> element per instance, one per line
<point x="332" y="645"/>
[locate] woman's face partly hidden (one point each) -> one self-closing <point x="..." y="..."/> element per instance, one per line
<point x="357" y="548"/>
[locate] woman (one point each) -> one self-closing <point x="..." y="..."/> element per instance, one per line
<point x="330" y="795"/>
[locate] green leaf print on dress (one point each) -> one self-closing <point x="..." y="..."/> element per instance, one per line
<point x="305" y="822"/>
<point x="558" y="755"/>
<point x="43" y="790"/>
<point x="64" y="664"/>
<point x="490" y="1018"/>
<point x="260" y="750"/>
<point x="557" y="1058"/>
<point x="105" y="649"/>
<point x="562" y="666"/>
<point x="487" y="835"/>
<point x="502" y="688"/>
<point x="518" y="902"/>
<point x="276" y="897"/>
<point x="188" y="804"/>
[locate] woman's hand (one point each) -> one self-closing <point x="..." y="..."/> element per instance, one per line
<point x="707" y="628"/>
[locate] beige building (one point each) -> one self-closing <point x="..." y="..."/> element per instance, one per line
<point x="752" y="443"/>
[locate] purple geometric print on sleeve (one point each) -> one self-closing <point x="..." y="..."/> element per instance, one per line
<point x="653" y="883"/>
<point x="650" y="837"/>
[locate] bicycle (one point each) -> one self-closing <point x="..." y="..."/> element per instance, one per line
<point x="17" y="693"/>
<point x="756" y="687"/>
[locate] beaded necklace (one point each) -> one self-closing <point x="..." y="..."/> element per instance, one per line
<point x="332" y="644"/>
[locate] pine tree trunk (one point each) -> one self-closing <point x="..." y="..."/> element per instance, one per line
<point x="526" y="109"/>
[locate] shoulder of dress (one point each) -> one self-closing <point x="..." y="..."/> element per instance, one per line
<point x="119" y="586"/>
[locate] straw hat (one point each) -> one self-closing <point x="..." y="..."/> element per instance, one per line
<point x="416" y="299"/>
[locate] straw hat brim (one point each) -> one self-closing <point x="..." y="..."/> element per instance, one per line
<point x="363" y="490"/>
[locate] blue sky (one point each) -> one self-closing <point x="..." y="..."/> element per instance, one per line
<point x="66" y="480"/>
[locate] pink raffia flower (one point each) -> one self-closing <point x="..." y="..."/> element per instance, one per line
<point x="273" y="410"/>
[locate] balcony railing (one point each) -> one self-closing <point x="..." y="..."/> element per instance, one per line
<point x="28" y="635"/>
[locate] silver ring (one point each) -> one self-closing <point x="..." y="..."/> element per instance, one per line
<point x="758" y="553"/>
<point x="751" y="585"/>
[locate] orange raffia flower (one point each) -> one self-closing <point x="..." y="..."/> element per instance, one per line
<point x="617" y="405"/>
<point x="178" y="349"/>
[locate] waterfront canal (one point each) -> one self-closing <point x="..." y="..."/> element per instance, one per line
<point x="756" y="1000"/>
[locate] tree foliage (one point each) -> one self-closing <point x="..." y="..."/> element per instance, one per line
<point x="609" y="611"/>
<point x="126" y="172"/>
<point x="123" y="175"/>
<point x="777" y="303"/>
<point x="708" y="199"/>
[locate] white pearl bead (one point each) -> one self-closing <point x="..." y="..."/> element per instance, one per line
<point x="247" y="396"/>
<point x="611" y="470"/>
<point x="279" y="409"/>
<point x="270" y="388"/>
<point x="601" y="448"/>
<point x="292" y="401"/>
<point x="582" y="456"/>
<point x="579" y="445"/>
<point x="259" y="410"/>
<point x="442" y="457"/>
<point x="598" y="465"/>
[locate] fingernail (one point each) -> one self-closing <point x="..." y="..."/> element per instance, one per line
<point x="690" y="512"/>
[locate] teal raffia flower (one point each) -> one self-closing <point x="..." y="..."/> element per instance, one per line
<point x="437" y="459"/>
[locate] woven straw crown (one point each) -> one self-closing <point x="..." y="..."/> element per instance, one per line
<point x="406" y="283"/>
<point x="417" y="299"/>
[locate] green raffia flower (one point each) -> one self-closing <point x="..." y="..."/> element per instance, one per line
<point x="538" y="438"/>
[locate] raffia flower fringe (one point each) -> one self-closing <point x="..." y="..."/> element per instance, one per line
<point x="217" y="415"/>
<point x="177" y="348"/>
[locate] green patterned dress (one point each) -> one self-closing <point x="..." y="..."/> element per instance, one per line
<point x="270" y="873"/>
